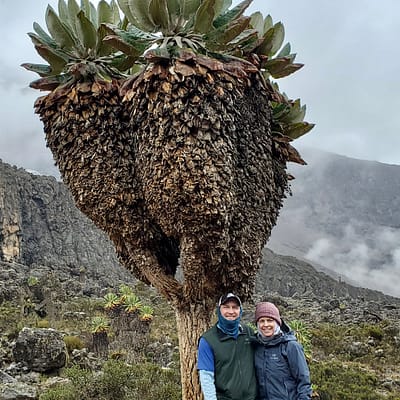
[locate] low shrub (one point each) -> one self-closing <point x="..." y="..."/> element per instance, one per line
<point x="43" y="323"/>
<point x="375" y="332"/>
<point x="118" y="380"/>
<point x="73" y="343"/>
<point x="303" y="336"/>
<point x="338" y="381"/>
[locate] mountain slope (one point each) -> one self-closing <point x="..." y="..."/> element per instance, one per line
<point x="344" y="215"/>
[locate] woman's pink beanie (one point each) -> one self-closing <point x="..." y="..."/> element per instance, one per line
<point x="267" y="310"/>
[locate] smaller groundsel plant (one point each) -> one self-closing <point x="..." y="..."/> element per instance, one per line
<point x="128" y="302"/>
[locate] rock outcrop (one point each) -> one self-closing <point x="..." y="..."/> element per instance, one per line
<point x="42" y="233"/>
<point x="40" y="350"/>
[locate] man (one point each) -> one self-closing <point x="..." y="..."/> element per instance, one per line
<point x="225" y="355"/>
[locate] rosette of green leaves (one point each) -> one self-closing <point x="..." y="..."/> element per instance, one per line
<point x="132" y="303"/>
<point x="100" y="324"/>
<point x="146" y="313"/>
<point x="111" y="301"/>
<point x="74" y="48"/>
<point x="206" y="26"/>
<point x="210" y="27"/>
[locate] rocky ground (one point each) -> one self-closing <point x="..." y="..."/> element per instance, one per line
<point x="347" y="324"/>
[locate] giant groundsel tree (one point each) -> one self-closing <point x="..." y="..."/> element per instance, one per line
<point x="167" y="125"/>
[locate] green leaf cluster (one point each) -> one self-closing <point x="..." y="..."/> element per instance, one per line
<point x="111" y="41"/>
<point x="112" y="301"/>
<point x="128" y="302"/>
<point x="276" y="59"/>
<point x="33" y="281"/>
<point x="288" y="119"/>
<point x="100" y="324"/>
<point x="118" y="34"/>
<point x="75" y="37"/>
<point x="303" y="336"/>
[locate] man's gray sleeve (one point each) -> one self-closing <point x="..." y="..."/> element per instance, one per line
<point x="207" y="384"/>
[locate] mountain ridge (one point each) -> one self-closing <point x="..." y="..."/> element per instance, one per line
<point x="41" y="229"/>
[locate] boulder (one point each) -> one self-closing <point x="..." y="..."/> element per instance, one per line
<point x="40" y="350"/>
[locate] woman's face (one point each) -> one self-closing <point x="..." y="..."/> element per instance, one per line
<point x="267" y="326"/>
<point x="230" y="310"/>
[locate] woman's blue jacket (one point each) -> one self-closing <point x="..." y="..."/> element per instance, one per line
<point x="281" y="367"/>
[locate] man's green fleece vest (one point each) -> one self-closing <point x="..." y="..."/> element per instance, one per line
<point x="235" y="377"/>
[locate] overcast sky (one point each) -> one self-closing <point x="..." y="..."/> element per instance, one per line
<point x="350" y="81"/>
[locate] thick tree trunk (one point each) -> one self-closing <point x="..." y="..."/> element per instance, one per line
<point x="191" y="323"/>
<point x="100" y="344"/>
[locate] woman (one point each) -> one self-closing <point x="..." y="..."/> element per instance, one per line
<point x="281" y="367"/>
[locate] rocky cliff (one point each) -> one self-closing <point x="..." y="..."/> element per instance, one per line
<point x="41" y="230"/>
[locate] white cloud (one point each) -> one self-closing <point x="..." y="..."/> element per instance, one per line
<point x="374" y="265"/>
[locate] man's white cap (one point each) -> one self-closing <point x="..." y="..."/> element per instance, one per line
<point x="229" y="296"/>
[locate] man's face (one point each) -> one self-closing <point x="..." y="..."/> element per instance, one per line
<point x="230" y="310"/>
<point x="267" y="326"/>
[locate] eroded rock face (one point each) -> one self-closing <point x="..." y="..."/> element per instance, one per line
<point x="39" y="224"/>
<point x="40" y="350"/>
<point x="43" y="234"/>
<point x="11" y="234"/>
